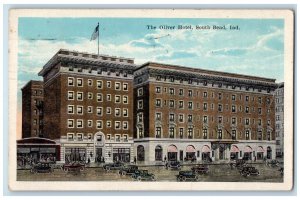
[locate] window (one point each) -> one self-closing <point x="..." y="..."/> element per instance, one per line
<point x="140" y="104"/>
<point x="259" y="122"/>
<point x="220" y="133"/>
<point x="233" y="97"/>
<point x="70" y="136"/>
<point x="158" y="78"/>
<point x="108" y="124"/>
<point x="172" y="79"/>
<point x="89" y="136"/>
<point x="269" y="135"/>
<point x="125" y="125"/>
<point x="158" y="132"/>
<point x="79" y="82"/>
<point x="117" y="98"/>
<point x="90" y="109"/>
<point x="99" y="111"/>
<point x="70" y="81"/>
<point x="171" y="132"/>
<point x="158" y="102"/>
<point x="99" y="138"/>
<point x="99" y="84"/>
<point x="172" y="117"/>
<point x="117" y="86"/>
<point x="90" y="82"/>
<point x="125" y="86"/>
<point x="125" y="112"/>
<point x="181" y="118"/>
<point x="117" y="112"/>
<point x="90" y="123"/>
<point x="268" y="100"/>
<point x="108" y="136"/>
<point x="205" y="94"/>
<point x="205" y="119"/>
<point x="181" y="93"/>
<point x="269" y="122"/>
<point x="259" y="111"/>
<point x="108" y="97"/>
<point x="190" y="105"/>
<point x="277" y="118"/>
<point x="125" y="138"/>
<point x="108" y="110"/>
<point x="140" y="92"/>
<point x="99" y="124"/>
<point x="220" y="107"/>
<point x="190" y="133"/>
<point x="181" y="105"/>
<point x="190" y="118"/>
<point x="247" y="110"/>
<point x="259" y="99"/>
<point x="70" y="123"/>
<point x="171" y="103"/>
<point x="108" y="84"/>
<point x="70" y="109"/>
<point x="125" y="99"/>
<point x="79" y="136"/>
<point x="99" y="97"/>
<point x="190" y="93"/>
<point x="247" y="135"/>
<point x="233" y="108"/>
<point x="180" y="133"/>
<point x="117" y="125"/>
<point x="172" y="91"/>
<point x="34" y="122"/>
<point x="79" y="123"/>
<point x="204" y="133"/>
<point x="158" y="116"/>
<point x="70" y="95"/>
<point x="79" y="110"/>
<point x="233" y="134"/>
<point x="90" y="95"/>
<point x="220" y="96"/>
<point x="259" y="135"/>
<point x="220" y="119"/>
<point x="247" y="98"/>
<point x="233" y="121"/>
<point x="158" y="89"/>
<point x="247" y="121"/>
<point x="205" y="106"/>
<point x="140" y="117"/>
<point x="79" y="96"/>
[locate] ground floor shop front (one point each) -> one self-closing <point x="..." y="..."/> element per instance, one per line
<point x="152" y="151"/>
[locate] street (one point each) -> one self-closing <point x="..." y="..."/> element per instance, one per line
<point x="217" y="173"/>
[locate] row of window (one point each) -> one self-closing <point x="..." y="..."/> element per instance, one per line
<point x="99" y="110"/>
<point x="37" y="92"/>
<point x="190" y="118"/>
<point x="99" y="97"/>
<point x="191" y="93"/>
<point x="80" y="137"/>
<point x="98" y="123"/>
<point x="99" y="83"/>
<point x="191" y="105"/>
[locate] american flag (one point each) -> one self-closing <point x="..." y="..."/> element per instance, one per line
<point x="95" y="34"/>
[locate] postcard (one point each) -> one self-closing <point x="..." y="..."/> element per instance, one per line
<point x="150" y="100"/>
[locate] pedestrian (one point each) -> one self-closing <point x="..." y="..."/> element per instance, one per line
<point x="165" y="158"/>
<point x="134" y="160"/>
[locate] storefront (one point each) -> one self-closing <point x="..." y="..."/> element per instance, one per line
<point x="172" y="152"/>
<point x="190" y="152"/>
<point x="75" y="154"/>
<point x="140" y="153"/>
<point x="121" y="154"/>
<point x="247" y="153"/>
<point x="158" y="153"/>
<point x="234" y="152"/>
<point x="205" y="152"/>
<point x="260" y="153"/>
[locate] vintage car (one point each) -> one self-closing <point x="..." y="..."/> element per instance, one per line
<point x="187" y="175"/>
<point x="173" y="165"/>
<point x="73" y="167"/>
<point x="42" y="167"/>
<point x="143" y="175"/>
<point x="128" y="170"/>
<point x="247" y="171"/>
<point x="272" y="163"/>
<point x="238" y="164"/>
<point x="200" y="169"/>
<point x="281" y="170"/>
<point x="113" y="166"/>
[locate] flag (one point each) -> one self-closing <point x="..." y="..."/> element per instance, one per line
<point x="95" y="34"/>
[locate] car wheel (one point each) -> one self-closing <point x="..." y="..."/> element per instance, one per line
<point x="178" y="179"/>
<point x="139" y="178"/>
<point x="258" y="173"/>
<point x="248" y="174"/>
<point x="197" y="178"/>
<point x="123" y="173"/>
<point x="183" y="178"/>
<point x="107" y="169"/>
<point x="81" y="169"/>
<point x="152" y="178"/>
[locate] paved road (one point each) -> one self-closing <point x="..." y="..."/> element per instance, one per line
<point x="217" y="173"/>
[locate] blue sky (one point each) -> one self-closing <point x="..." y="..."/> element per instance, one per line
<point x="256" y="49"/>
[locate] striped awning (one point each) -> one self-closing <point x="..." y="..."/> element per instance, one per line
<point x="205" y="149"/>
<point x="248" y="149"/>
<point x="190" y="149"/>
<point x="260" y="149"/>
<point x="234" y="149"/>
<point x="172" y="148"/>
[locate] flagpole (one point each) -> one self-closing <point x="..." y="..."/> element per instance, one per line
<point x="98" y="37"/>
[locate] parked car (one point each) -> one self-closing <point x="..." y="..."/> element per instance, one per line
<point x="200" y="169"/>
<point x="173" y="165"/>
<point x="247" y="171"/>
<point x="187" y="175"/>
<point x="272" y="163"/>
<point x="281" y="170"/>
<point x="113" y="166"/>
<point x="73" y="167"/>
<point x="143" y="175"/>
<point x="238" y="164"/>
<point x="42" y="167"/>
<point x="128" y="170"/>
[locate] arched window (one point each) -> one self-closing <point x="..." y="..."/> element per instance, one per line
<point x="158" y="153"/>
<point x="140" y="153"/>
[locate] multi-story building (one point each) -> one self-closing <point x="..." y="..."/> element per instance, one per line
<point x="279" y="128"/>
<point x="186" y="113"/>
<point x="32" y="109"/>
<point x="89" y="105"/>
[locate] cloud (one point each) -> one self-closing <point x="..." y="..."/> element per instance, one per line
<point x="177" y="55"/>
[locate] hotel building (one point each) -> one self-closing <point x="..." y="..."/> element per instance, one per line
<point x="279" y="111"/>
<point x="185" y="113"/>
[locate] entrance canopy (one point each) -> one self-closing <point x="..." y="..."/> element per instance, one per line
<point x="248" y="149"/>
<point x="190" y="149"/>
<point x="260" y="149"/>
<point x="172" y="148"/>
<point x="234" y="149"/>
<point x="205" y="149"/>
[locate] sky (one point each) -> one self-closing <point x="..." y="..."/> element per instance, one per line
<point x="256" y="48"/>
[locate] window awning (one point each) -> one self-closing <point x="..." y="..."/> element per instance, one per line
<point x="172" y="148"/>
<point x="260" y="149"/>
<point x="205" y="149"/>
<point x="234" y="149"/>
<point x="190" y="149"/>
<point x="248" y="149"/>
